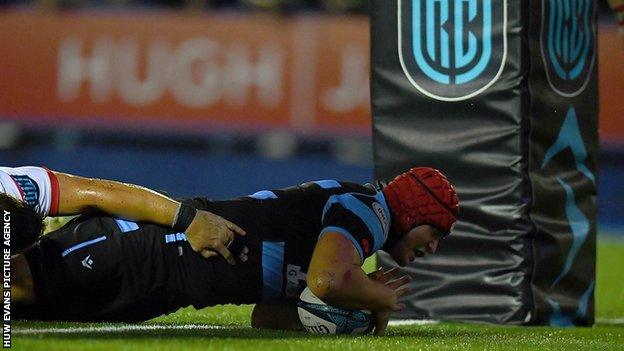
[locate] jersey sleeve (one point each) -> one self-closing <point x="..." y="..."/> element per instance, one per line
<point x="36" y="186"/>
<point x="364" y="220"/>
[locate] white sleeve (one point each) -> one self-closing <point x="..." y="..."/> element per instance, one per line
<point x="36" y="186"/>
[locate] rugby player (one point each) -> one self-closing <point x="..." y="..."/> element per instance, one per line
<point x="42" y="192"/>
<point x="317" y="234"/>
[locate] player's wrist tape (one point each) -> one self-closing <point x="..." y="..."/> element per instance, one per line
<point x="184" y="217"/>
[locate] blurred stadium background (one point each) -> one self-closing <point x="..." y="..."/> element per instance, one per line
<point x="212" y="97"/>
<point x="217" y="97"/>
<point x="220" y="97"/>
<point x="223" y="98"/>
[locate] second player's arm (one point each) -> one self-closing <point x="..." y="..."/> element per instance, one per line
<point x="80" y="195"/>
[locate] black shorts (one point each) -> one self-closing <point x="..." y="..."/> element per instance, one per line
<point x="100" y="269"/>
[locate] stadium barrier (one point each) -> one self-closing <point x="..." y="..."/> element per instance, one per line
<point x="502" y="97"/>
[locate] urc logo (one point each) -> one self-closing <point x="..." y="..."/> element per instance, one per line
<point x="452" y="50"/>
<point x="568" y="42"/>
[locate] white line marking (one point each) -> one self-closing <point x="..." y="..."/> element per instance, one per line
<point x="122" y="328"/>
<point x="155" y="327"/>
<point x="610" y="320"/>
<point x="400" y="322"/>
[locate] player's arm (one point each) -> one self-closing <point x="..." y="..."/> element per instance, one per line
<point x="205" y="231"/>
<point x="336" y="277"/>
<point x="278" y="315"/>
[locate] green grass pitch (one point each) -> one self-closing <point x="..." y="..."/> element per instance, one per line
<point x="227" y="328"/>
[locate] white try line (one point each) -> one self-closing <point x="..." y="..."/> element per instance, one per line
<point x="122" y="328"/>
<point x="401" y="322"/>
<point x="157" y="327"/>
<point x="610" y="320"/>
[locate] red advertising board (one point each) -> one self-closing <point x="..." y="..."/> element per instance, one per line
<point x="181" y="71"/>
<point x="211" y="72"/>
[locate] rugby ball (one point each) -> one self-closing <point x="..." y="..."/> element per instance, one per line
<point x="318" y="317"/>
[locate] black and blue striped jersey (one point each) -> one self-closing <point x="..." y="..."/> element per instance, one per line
<point x="287" y="223"/>
<point x="108" y="269"/>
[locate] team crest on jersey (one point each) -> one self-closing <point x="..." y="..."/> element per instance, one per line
<point x="28" y="188"/>
<point x="452" y="50"/>
<point x="568" y="42"/>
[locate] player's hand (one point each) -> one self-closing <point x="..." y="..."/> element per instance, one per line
<point x="381" y="317"/>
<point x="210" y="235"/>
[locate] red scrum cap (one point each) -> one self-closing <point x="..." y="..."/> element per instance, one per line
<point x="422" y="195"/>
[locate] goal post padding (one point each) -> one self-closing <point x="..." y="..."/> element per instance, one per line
<point x="502" y="97"/>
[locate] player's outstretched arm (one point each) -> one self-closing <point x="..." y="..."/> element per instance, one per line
<point x="336" y="277"/>
<point x="205" y="231"/>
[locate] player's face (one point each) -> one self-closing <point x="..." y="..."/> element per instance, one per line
<point x="416" y="243"/>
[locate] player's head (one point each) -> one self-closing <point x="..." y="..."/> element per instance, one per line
<point x="424" y="206"/>
<point x="26" y="224"/>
